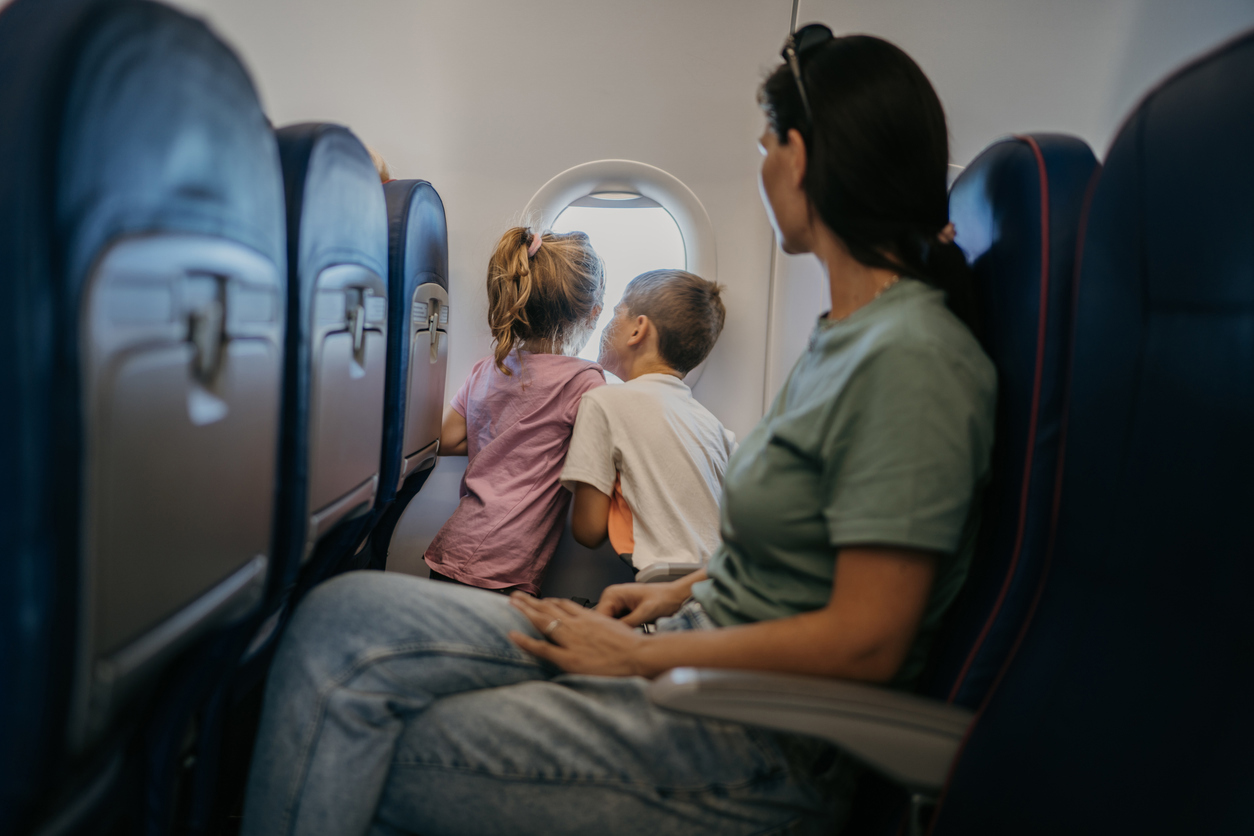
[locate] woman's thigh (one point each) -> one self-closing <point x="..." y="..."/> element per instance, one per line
<point x="582" y="754"/>
<point x="364" y="652"/>
<point x="410" y="634"/>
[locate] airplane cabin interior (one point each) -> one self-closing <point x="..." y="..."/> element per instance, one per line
<point x="243" y="248"/>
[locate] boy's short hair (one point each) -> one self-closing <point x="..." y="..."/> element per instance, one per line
<point x="685" y="309"/>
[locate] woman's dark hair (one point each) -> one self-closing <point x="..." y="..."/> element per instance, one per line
<point x="877" y="159"/>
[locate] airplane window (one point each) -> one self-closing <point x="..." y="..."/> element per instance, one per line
<point x="632" y="234"/>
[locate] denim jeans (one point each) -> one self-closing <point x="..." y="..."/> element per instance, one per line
<point x="399" y="705"/>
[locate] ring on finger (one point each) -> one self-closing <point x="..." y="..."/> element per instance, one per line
<point x="551" y="626"/>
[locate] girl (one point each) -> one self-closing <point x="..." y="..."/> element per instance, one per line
<point x="514" y="414"/>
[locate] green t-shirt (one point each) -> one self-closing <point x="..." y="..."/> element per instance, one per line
<point x="880" y="436"/>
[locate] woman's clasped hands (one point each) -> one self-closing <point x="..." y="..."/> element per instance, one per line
<point x="599" y="641"/>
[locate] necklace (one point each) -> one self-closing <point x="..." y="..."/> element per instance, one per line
<point x="892" y="280"/>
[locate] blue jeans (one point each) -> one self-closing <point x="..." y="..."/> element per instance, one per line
<point x="399" y="705"/>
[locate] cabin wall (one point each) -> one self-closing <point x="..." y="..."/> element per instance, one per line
<point x="1067" y="66"/>
<point x="488" y="100"/>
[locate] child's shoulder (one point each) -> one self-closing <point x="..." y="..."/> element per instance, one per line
<point x="583" y="373"/>
<point x="543" y="368"/>
<point x="484" y="373"/>
<point x="567" y="378"/>
<point x="643" y="395"/>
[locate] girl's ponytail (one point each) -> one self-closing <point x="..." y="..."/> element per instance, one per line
<point x="543" y="298"/>
<point x="509" y="290"/>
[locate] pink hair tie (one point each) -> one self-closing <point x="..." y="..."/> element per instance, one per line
<point x="536" y="240"/>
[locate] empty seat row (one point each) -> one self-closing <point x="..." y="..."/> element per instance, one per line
<point x="224" y="362"/>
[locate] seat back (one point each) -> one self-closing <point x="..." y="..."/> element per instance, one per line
<point x="1017" y="210"/>
<point x="336" y="348"/>
<point x="143" y="262"/>
<point x="1126" y="707"/>
<point x="417" y="352"/>
<point x="418" y="336"/>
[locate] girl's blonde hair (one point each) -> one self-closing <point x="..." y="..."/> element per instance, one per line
<point x="380" y="165"/>
<point x="546" y="301"/>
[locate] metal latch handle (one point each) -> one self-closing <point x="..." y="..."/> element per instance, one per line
<point x="433" y="320"/>
<point x="357" y="324"/>
<point x="207" y="332"/>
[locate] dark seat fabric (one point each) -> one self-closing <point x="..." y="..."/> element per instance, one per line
<point x="335" y="358"/>
<point x="1126" y="708"/>
<point x="418" y="328"/>
<point x="140" y="202"/>
<point x="1016" y="209"/>
<point x="418" y="321"/>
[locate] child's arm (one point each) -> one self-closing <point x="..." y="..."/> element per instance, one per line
<point x="590" y="519"/>
<point x="453" y="434"/>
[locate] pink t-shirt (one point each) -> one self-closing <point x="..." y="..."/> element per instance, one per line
<point x="513" y="507"/>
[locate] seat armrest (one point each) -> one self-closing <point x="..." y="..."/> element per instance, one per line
<point x="662" y="571"/>
<point x="909" y="738"/>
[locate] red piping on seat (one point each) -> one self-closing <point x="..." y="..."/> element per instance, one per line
<point x="1038" y="375"/>
<point x="1054" y="510"/>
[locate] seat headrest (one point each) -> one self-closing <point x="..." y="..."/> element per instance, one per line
<point x="997" y="200"/>
<point x="336" y="212"/>
<point x="134" y="118"/>
<point x="417" y="232"/>
<point x="1184" y="191"/>
<point x="162" y="132"/>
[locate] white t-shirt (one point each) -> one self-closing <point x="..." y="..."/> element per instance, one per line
<point x="670" y="453"/>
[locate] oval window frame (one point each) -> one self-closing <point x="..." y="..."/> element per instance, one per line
<point x="649" y="181"/>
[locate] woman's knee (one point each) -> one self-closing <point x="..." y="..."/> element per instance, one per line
<point x="361" y="612"/>
<point x="337" y="600"/>
<point x="342" y="618"/>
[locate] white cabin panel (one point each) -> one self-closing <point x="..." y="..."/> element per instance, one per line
<point x="1068" y="66"/>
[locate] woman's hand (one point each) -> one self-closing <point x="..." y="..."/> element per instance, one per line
<point x="579" y="640"/>
<point x="643" y="603"/>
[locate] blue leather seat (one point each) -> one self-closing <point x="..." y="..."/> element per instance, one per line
<point x="1126" y="708"/>
<point x="336" y="359"/>
<point x="417" y="362"/>
<point x="142" y="256"/>
<point x="1017" y="210"/>
<point x="336" y="350"/>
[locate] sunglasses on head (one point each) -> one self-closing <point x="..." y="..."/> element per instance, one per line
<point x="797" y="44"/>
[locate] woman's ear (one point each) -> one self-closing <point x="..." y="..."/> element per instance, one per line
<point x="795" y="154"/>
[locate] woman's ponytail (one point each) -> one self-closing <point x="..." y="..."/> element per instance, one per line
<point x="927" y="256"/>
<point x="944" y="266"/>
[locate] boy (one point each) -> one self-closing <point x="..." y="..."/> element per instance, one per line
<point x="646" y="460"/>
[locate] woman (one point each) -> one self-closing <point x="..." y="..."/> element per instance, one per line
<point x="849" y="514"/>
